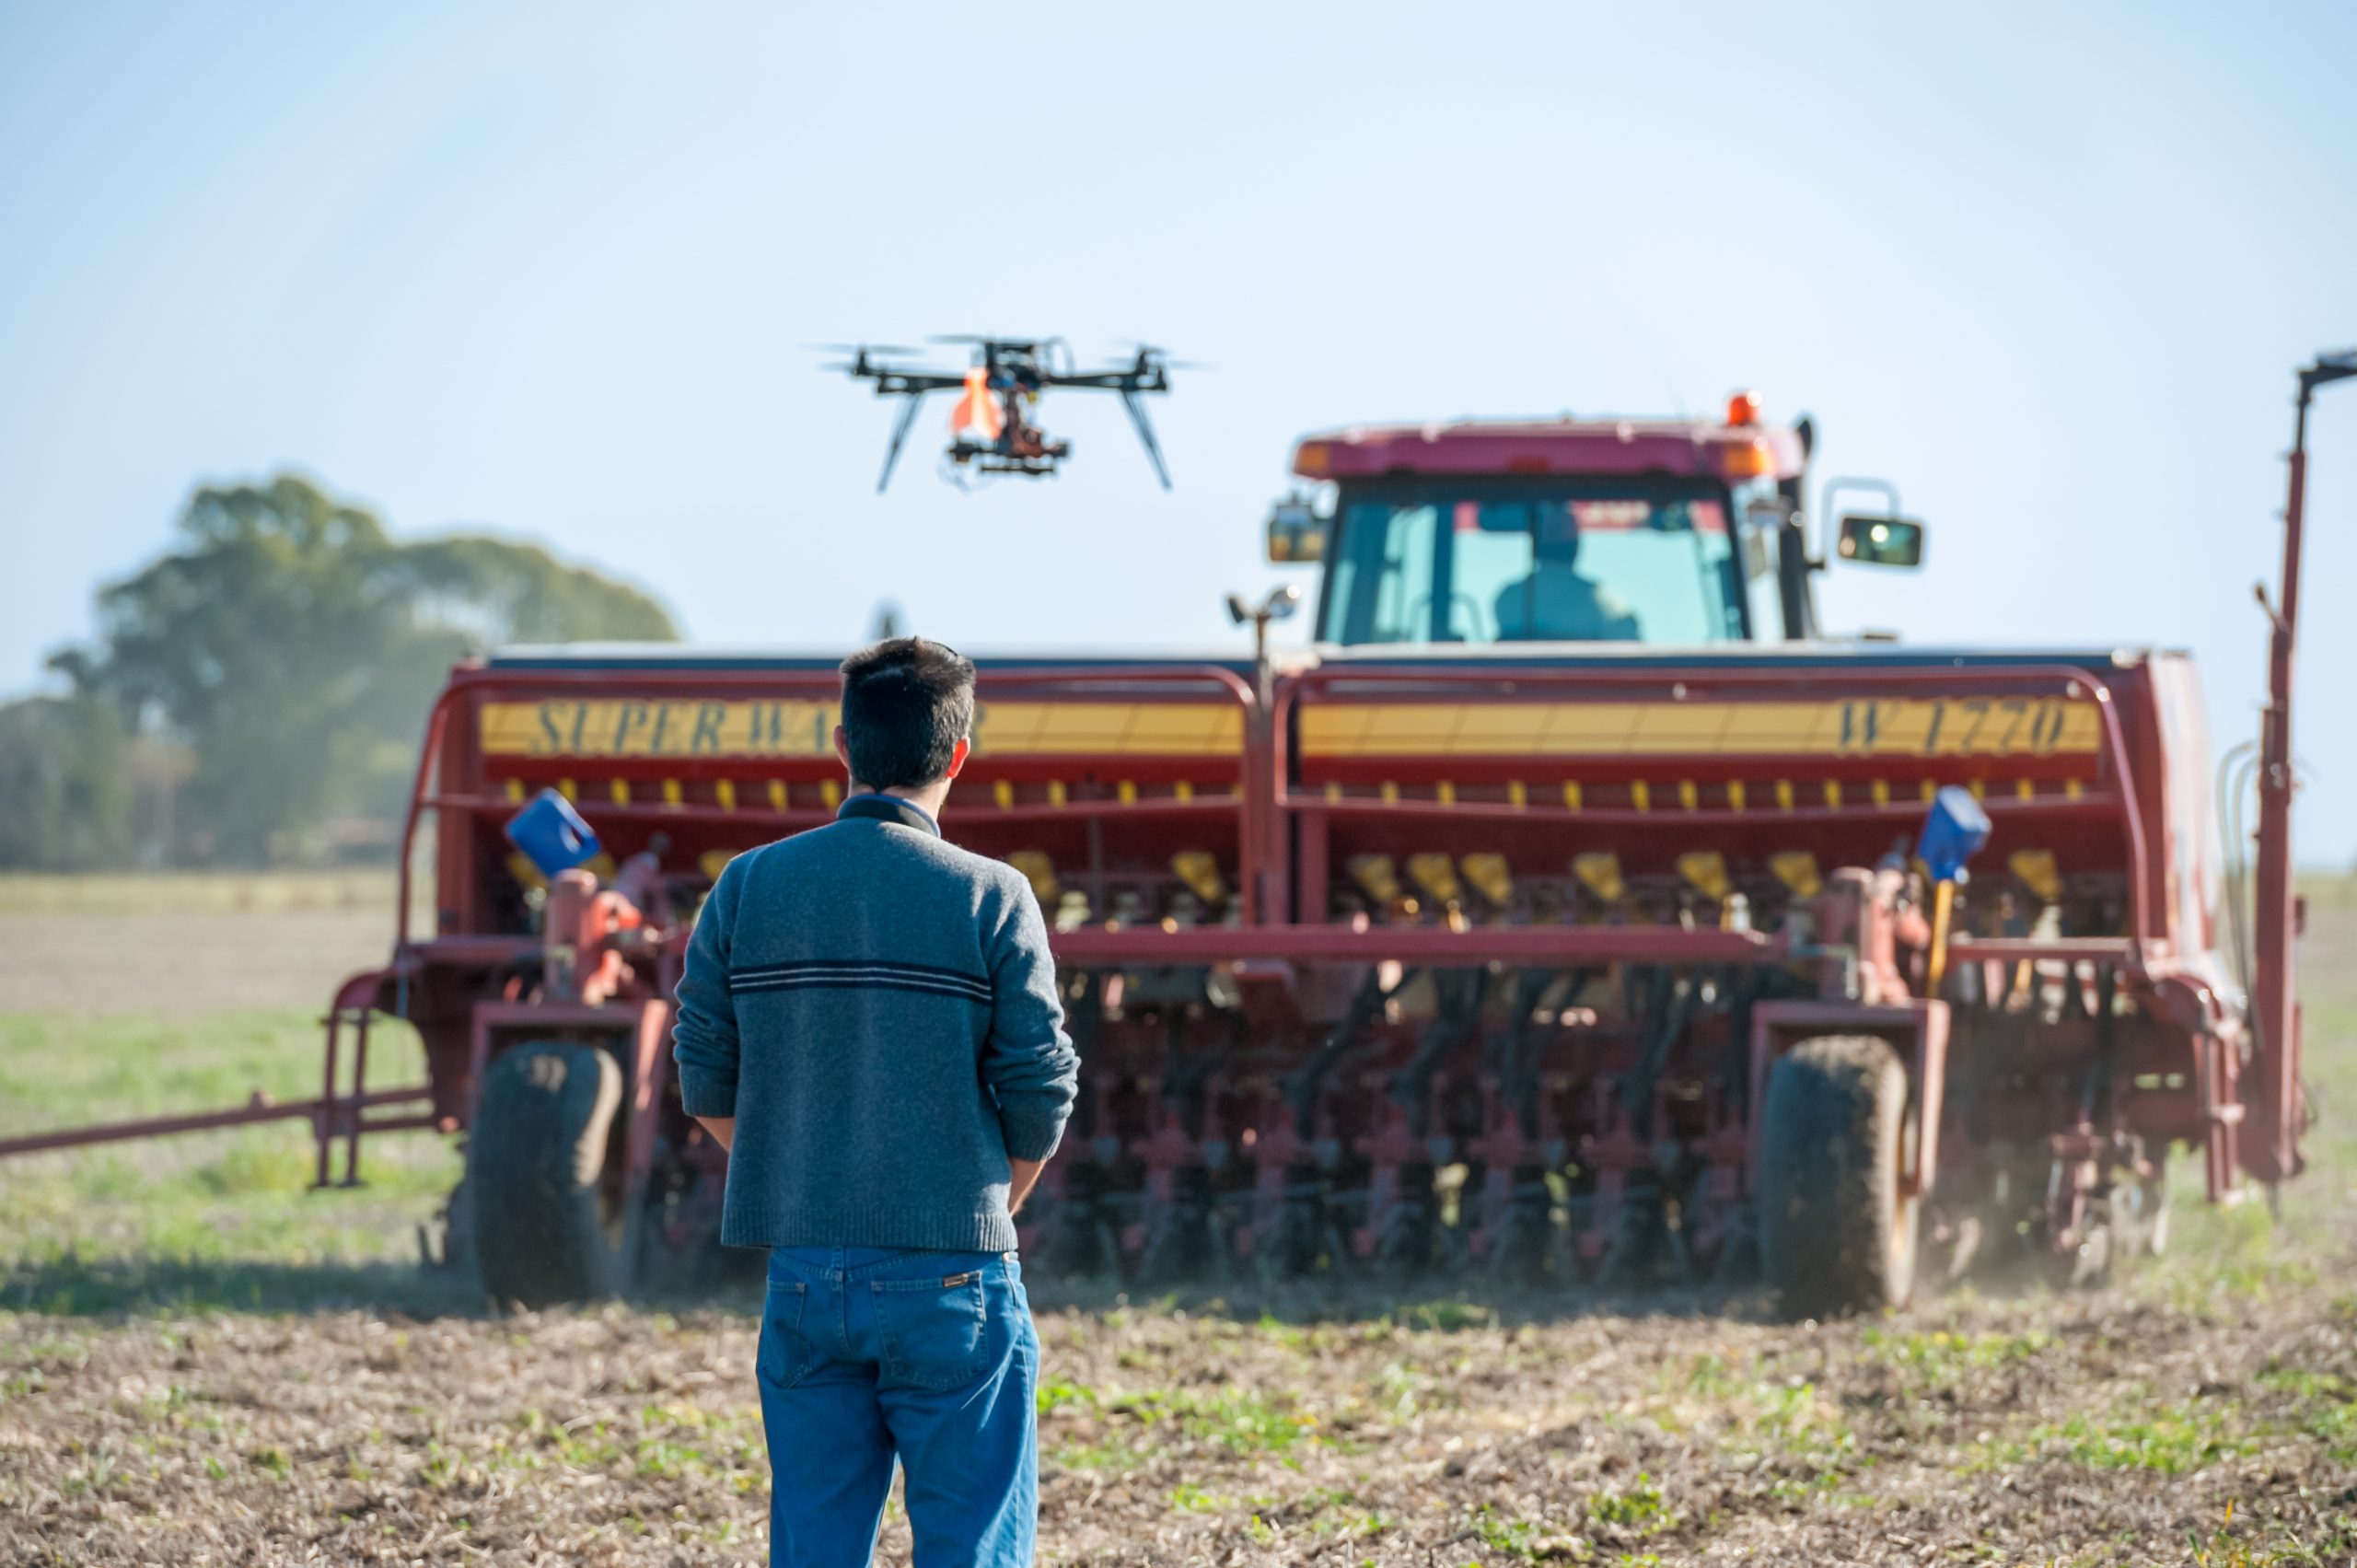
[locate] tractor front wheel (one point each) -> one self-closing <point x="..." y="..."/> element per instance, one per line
<point x="1837" y="1232"/>
<point x="546" y="1228"/>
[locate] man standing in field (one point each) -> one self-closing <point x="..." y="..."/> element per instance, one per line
<point x="869" y="1024"/>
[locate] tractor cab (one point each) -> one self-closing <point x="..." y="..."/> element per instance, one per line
<point x="1653" y="533"/>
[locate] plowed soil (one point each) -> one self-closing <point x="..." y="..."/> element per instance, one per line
<point x="2111" y="1428"/>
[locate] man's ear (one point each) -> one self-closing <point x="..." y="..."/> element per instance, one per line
<point x="843" y="748"/>
<point x="958" y="755"/>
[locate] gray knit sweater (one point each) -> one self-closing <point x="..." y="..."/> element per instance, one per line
<point x="877" y="1009"/>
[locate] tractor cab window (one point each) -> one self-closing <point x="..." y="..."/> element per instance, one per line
<point x="1497" y="560"/>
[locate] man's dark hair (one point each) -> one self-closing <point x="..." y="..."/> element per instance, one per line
<point x="907" y="703"/>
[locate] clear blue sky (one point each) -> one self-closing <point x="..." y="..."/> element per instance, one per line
<point x="2046" y="267"/>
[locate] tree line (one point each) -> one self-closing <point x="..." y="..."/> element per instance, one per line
<point x="256" y="695"/>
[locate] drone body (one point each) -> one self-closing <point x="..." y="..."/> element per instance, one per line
<point x="991" y="427"/>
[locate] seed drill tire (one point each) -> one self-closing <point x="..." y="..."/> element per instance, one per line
<point x="1835" y="1235"/>
<point x="533" y="1161"/>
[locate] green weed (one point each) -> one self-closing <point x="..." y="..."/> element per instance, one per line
<point x="1639" y="1506"/>
<point x="1508" y="1538"/>
<point x="1940" y="1359"/>
<point x="2170" y="1440"/>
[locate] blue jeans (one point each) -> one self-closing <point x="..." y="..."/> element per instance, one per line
<point x="868" y="1353"/>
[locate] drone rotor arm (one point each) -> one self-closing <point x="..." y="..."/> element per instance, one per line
<point x="911" y="383"/>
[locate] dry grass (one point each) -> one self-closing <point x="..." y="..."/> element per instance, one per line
<point x="200" y="892"/>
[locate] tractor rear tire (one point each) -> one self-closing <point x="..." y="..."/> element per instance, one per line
<point x="535" y="1160"/>
<point x="1836" y="1233"/>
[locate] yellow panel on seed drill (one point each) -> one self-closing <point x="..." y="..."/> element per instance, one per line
<point x="1490" y="877"/>
<point x="1435" y="875"/>
<point x="1199" y="868"/>
<point x="1599" y="873"/>
<point x="1796" y="869"/>
<point x="1706" y="869"/>
<point x="1490" y="728"/>
<point x="2038" y="871"/>
<point x="1375" y="877"/>
<point x="1039" y="871"/>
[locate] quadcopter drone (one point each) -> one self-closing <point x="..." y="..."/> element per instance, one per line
<point x="990" y="431"/>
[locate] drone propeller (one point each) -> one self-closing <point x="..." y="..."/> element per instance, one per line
<point x="1046" y="349"/>
<point x="1156" y="352"/>
<point x="858" y="348"/>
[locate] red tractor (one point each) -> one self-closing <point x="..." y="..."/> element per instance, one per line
<point x="1572" y="915"/>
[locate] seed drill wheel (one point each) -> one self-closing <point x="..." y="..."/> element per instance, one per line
<point x="1836" y="1233"/>
<point x="545" y="1226"/>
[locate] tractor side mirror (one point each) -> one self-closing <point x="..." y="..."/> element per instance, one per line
<point x="1296" y="533"/>
<point x="1872" y="539"/>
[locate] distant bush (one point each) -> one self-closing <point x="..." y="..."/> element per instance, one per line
<point x="65" y="797"/>
<point x="291" y="647"/>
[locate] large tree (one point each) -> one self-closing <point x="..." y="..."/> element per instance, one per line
<point x="292" y="646"/>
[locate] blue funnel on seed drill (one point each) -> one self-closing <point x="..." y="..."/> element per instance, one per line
<point x="1953" y="830"/>
<point x="551" y="834"/>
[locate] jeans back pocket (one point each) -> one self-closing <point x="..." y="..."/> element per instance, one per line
<point x="933" y="1332"/>
<point x="784" y="1357"/>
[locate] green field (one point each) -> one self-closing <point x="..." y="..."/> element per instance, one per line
<point x="197" y="992"/>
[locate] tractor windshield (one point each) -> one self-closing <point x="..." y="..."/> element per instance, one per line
<point x="1445" y="558"/>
